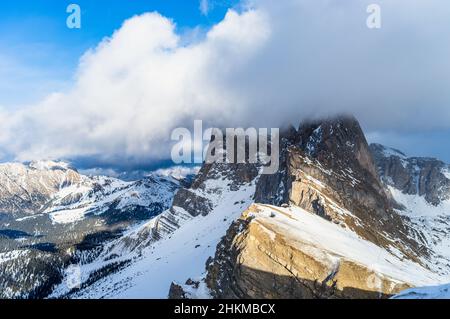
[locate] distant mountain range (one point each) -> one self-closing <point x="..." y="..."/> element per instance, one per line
<point x="340" y="219"/>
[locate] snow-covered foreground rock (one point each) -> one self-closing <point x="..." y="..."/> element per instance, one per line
<point x="326" y="227"/>
<point x="339" y="219"/>
<point x="305" y="256"/>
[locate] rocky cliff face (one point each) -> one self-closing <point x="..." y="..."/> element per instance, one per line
<point x="328" y="172"/>
<point x="264" y="255"/>
<point x="327" y="168"/>
<point x="420" y="190"/>
<point x="427" y="177"/>
<point x="25" y="189"/>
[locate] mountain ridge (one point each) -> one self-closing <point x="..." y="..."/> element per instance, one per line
<point x="330" y="179"/>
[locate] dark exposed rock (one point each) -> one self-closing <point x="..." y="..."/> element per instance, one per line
<point x="327" y="165"/>
<point x="176" y="292"/>
<point x="192" y="203"/>
<point x="251" y="264"/>
<point x="236" y="174"/>
<point x="412" y="175"/>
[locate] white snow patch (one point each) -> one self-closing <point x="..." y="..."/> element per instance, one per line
<point x="446" y="172"/>
<point x="176" y="257"/>
<point x="68" y="216"/>
<point x="417" y="206"/>
<point x="49" y="165"/>
<point x="329" y="241"/>
<point x="388" y="152"/>
<point x="178" y="172"/>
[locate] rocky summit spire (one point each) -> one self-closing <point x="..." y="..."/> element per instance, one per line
<point x="337" y="141"/>
<point x="326" y="167"/>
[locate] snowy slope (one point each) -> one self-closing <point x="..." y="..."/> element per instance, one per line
<point x="96" y="195"/>
<point x="151" y="274"/>
<point x="26" y="188"/>
<point x="177" y="256"/>
<point x="421" y="188"/>
<point x="62" y="216"/>
<point x="330" y="242"/>
<point x="431" y="225"/>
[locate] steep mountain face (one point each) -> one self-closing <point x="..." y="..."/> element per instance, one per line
<point x="51" y="214"/>
<point x="427" y="177"/>
<point x="25" y="189"/>
<point x="340" y="219"/>
<point x="420" y="190"/>
<point x="175" y="244"/>
<point x="273" y="252"/>
<point x="327" y="168"/>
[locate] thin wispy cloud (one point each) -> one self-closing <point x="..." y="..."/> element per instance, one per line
<point x="204" y="7"/>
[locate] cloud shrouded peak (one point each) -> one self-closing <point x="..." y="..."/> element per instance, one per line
<point x="266" y="65"/>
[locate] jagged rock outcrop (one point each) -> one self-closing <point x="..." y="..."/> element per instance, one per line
<point x="328" y="170"/>
<point x="326" y="167"/>
<point x="263" y="256"/>
<point x="25" y="189"/>
<point x="421" y="176"/>
<point x="176" y="292"/>
<point x="420" y="188"/>
<point x="202" y="196"/>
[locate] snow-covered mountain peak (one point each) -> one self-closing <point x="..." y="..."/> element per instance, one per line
<point x="388" y="151"/>
<point x="336" y="205"/>
<point x="423" y="176"/>
<point x="50" y="165"/>
<point x="177" y="172"/>
<point x="26" y="188"/>
<point x="51" y="215"/>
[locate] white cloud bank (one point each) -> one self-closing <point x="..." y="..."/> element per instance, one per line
<point x="271" y="63"/>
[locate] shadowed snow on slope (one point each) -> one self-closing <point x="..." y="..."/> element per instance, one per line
<point x="305" y="256"/>
<point x="421" y="189"/>
<point x="327" y="240"/>
<point x="431" y="292"/>
<point x="177" y="253"/>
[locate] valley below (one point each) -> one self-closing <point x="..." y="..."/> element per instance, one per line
<point x="341" y="219"/>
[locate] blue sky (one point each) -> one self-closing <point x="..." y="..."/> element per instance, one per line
<point x="41" y="53"/>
